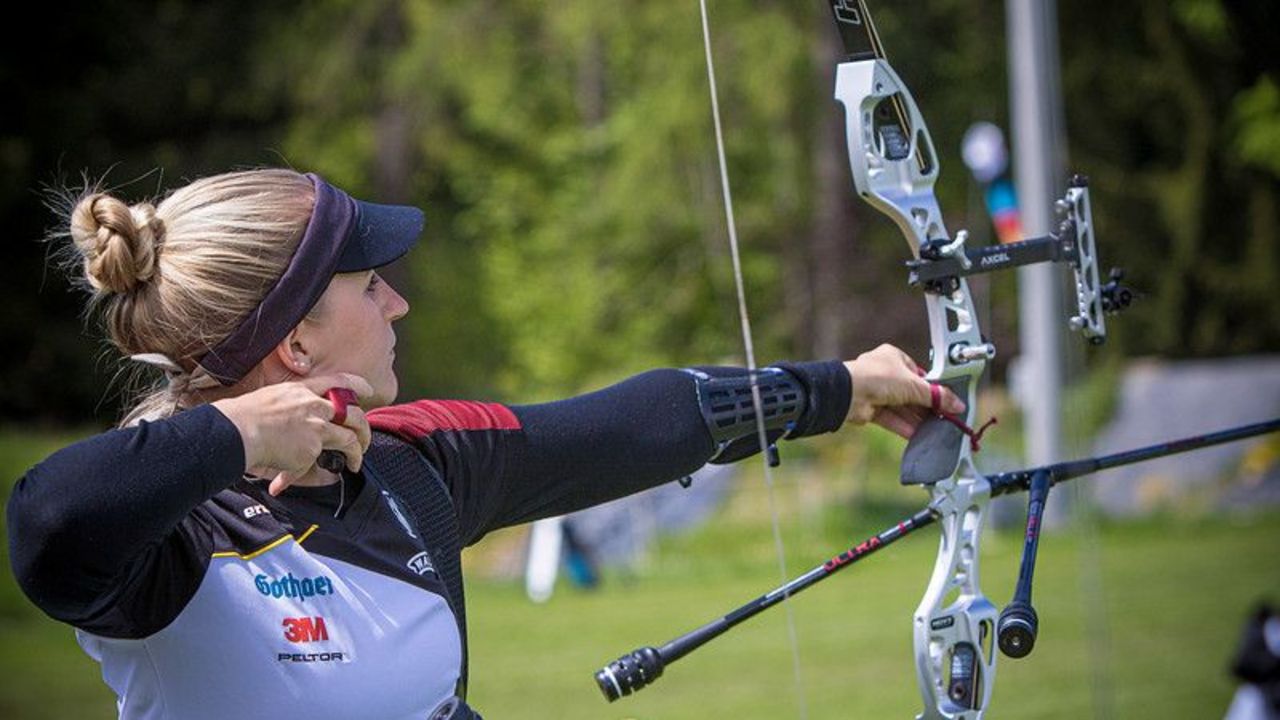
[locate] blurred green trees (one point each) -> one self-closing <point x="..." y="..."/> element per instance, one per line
<point x="565" y="157"/>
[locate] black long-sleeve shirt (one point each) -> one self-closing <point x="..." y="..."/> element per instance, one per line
<point x="204" y="596"/>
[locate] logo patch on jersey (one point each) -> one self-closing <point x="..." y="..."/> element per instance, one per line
<point x="395" y="510"/>
<point x="421" y="563"/>
<point x="255" y="510"/>
<point x="311" y="657"/>
<point x="305" y="629"/>
<point x="291" y="587"/>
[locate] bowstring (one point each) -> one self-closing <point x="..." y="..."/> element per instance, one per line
<point x="1081" y="518"/>
<point x="749" y="346"/>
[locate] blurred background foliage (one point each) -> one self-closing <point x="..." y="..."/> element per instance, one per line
<point x="565" y="157"/>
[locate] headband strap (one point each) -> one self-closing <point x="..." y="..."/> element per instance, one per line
<point x="293" y="295"/>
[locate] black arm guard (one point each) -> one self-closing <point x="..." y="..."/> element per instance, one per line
<point x="729" y="411"/>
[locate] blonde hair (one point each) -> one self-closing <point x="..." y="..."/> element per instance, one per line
<point x="174" y="278"/>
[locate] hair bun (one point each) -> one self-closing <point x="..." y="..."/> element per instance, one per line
<point x="119" y="243"/>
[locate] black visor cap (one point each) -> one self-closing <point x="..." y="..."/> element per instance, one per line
<point x="382" y="235"/>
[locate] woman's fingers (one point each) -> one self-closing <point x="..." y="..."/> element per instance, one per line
<point x="907" y="360"/>
<point x="280" y="482"/>
<point x="347" y="440"/>
<point x="319" y="384"/>
<point x="887" y="377"/>
<point x="949" y="402"/>
<point x="893" y="420"/>
<point x="354" y="417"/>
<point x="903" y="420"/>
<point x="359" y="423"/>
<point x="285" y="426"/>
<point x="348" y="430"/>
<point x="338" y="438"/>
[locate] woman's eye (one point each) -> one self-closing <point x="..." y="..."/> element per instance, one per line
<point x="373" y="281"/>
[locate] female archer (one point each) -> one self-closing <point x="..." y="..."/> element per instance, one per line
<point x="214" y="564"/>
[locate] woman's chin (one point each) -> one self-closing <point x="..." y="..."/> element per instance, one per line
<point x="383" y="396"/>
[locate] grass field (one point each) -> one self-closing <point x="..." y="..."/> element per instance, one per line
<point x="1174" y="592"/>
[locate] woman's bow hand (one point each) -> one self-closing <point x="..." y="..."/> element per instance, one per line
<point x="888" y="390"/>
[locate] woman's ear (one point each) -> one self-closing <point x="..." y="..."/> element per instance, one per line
<point x="293" y="355"/>
<point x="295" y="352"/>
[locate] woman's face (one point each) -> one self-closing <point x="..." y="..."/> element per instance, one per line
<point x="351" y="331"/>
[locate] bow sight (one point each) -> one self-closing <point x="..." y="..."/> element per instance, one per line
<point x="942" y="263"/>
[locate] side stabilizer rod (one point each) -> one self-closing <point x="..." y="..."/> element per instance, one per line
<point x="643" y="666"/>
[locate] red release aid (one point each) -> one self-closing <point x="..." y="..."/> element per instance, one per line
<point x="340" y="398"/>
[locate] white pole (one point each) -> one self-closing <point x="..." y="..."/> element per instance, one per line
<point x="1039" y="147"/>
<point x="545" y="542"/>
<point x="1035" y="101"/>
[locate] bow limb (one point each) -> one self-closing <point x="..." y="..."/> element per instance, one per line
<point x="894" y="167"/>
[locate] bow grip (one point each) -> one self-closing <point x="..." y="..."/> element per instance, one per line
<point x="933" y="452"/>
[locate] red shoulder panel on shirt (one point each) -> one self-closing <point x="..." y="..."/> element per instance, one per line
<point x="423" y="417"/>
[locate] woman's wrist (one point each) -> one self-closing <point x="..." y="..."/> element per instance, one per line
<point x="234" y="410"/>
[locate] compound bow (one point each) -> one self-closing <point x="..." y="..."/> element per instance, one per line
<point x="956" y="627"/>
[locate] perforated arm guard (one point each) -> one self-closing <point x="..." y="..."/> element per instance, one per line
<point x="729" y="411"/>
